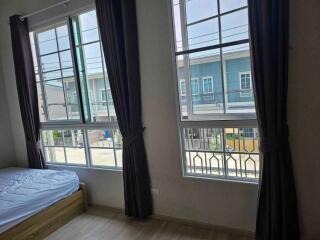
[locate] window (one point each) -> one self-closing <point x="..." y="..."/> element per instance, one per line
<point x="207" y="85"/>
<point x="78" y="121"/>
<point x="183" y="90"/>
<point x="103" y="96"/>
<point x="245" y="84"/>
<point x="194" y="86"/>
<point x="217" y="118"/>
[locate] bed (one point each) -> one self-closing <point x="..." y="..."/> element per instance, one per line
<point x="34" y="203"/>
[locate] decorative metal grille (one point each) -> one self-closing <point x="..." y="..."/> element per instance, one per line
<point x="231" y="153"/>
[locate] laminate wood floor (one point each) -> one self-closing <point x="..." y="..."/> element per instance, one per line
<point x="100" y="223"/>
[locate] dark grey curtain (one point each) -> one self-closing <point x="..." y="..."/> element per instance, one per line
<point x="27" y="90"/>
<point x="118" y="29"/>
<point x="277" y="217"/>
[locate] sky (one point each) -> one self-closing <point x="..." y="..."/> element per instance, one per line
<point x="234" y="26"/>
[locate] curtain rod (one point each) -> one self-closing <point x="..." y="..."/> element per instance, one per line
<point x="44" y="9"/>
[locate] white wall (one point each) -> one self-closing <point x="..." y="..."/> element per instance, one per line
<point x="215" y="202"/>
<point x="7" y="156"/>
<point x="304" y="111"/>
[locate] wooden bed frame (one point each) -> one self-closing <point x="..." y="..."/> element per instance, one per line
<point x="50" y="219"/>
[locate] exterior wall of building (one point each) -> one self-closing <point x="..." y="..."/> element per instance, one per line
<point x="213" y="69"/>
<point x="233" y="69"/>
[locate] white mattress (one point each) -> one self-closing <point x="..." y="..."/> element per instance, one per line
<point x="24" y="192"/>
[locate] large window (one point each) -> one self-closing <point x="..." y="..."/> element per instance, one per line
<point x="217" y="117"/>
<point x="78" y="121"/>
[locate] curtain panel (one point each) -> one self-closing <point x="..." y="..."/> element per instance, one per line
<point x="27" y="90"/>
<point x="277" y="216"/>
<point x="118" y="30"/>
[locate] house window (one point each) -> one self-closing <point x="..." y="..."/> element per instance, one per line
<point x="219" y="136"/>
<point x="183" y="89"/>
<point x="78" y="122"/>
<point x="103" y="96"/>
<point x="245" y="84"/>
<point x="207" y="85"/>
<point x="248" y="133"/>
<point x="195" y="86"/>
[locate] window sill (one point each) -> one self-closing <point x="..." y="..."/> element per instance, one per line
<point x="220" y="179"/>
<point x="52" y="165"/>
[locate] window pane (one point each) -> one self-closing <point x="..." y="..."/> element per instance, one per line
<point x="55" y="100"/>
<point x="203" y="34"/>
<point x="63" y="37"/>
<point x="73" y="138"/>
<point x="177" y="25"/>
<point x="231" y="152"/>
<point x="54" y="154"/>
<point x="40" y="103"/>
<point x="89" y="27"/>
<point x="117" y="138"/>
<point x="200" y="9"/>
<point x="119" y="157"/>
<point x="51" y="75"/>
<point x="234" y="26"/>
<point x="52" y="138"/>
<point x="100" y="138"/>
<point x="103" y="157"/>
<point x="203" y="64"/>
<point x="229" y="5"/>
<point x="105" y="147"/>
<point x="66" y="59"/>
<point x="237" y="61"/>
<point x="75" y="156"/>
<point x="71" y="98"/>
<point x="242" y="152"/>
<point x="47" y="42"/>
<point x="50" y="62"/>
<point x="203" y="150"/>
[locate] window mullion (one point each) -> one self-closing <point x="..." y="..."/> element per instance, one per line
<point x="186" y="61"/>
<point x="62" y="78"/>
<point x="87" y="148"/>
<point x="221" y="59"/>
<point x="104" y="78"/>
<point x="75" y="69"/>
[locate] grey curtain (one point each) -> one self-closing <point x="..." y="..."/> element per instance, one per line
<point x="27" y="91"/>
<point x="118" y="29"/>
<point x="277" y="217"/>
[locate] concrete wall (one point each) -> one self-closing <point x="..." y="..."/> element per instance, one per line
<point x="304" y="111"/>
